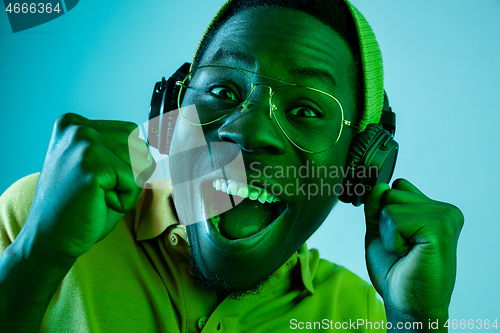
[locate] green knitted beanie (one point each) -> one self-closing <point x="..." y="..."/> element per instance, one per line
<point x="371" y="60"/>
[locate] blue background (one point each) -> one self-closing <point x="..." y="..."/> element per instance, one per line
<point x="442" y="68"/>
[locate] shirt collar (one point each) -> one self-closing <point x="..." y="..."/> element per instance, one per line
<point x="155" y="211"/>
<point x="308" y="260"/>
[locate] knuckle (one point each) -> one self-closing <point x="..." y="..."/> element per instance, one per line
<point x="67" y="119"/>
<point x="389" y="210"/>
<point x="444" y="224"/>
<point x="82" y="133"/>
<point x="396" y="183"/>
<point x="94" y="169"/>
<point x="86" y="148"/>
<point x="388" y="196"/>
<point x="453" y="213"/>
<point x="391" y="196"/>
<point x="388" y="221"/>
<point x="89" y="160"/>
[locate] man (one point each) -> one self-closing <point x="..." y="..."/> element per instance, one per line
<point x="95" y="253"/>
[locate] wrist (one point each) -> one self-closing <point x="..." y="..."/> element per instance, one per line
<point x="29" y="277"/>
<point x="403" y="322"/>
<point x="37" y="250"/>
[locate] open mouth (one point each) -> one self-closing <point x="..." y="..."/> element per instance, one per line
<point x="255" y="208"/>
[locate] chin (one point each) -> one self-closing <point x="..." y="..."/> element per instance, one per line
<point x="225" y="276"/>
<point x="220" y="285"/>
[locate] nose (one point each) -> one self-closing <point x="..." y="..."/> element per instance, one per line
<point x="253" y="129"/>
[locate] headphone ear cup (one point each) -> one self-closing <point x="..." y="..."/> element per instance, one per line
<point x="169" y="117"/>
<point x="371" y="160"/>
<point x="164" y="110"/>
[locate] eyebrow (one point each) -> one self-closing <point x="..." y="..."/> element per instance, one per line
<point x="300" y="72"/>
<point x="315" y="73"/>
<point x="225" y="54"/>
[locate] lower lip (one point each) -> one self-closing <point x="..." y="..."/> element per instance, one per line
<point x="241" y="244"/>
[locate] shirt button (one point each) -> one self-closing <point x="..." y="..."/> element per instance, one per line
<point x="173" y="239"/>
<point x="201" y="322"/>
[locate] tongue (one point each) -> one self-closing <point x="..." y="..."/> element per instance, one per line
<point x="246" y="219"/>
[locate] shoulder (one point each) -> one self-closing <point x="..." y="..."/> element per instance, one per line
<point x="345" y="282"/>
<point x="322" y="271"/>
<point x="339" y="289"/>
<point x="15" y="204"/>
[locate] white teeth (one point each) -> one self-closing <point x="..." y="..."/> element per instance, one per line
<point x="263" y="197"/>
<point x="232" y="188"/>
<point x="244" y="191"/>
<point x="254" y="193"/>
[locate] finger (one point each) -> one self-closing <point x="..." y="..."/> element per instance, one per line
<point x="415" y="197"/>
<point x="125" y="147"/>
<point x="114" y="176"/>
<point x="136" y="143"/>
<point x="142" y="166"/>
<point x="404" y="185"/>
<point x="142" y="162"/>
<point x="117" y="125"/>
<point x="391" y="233"/>
<point x="112" y="134"/>
<point x="393" y="196"/>
<point x="116" y="137"/>
<point x="121" y="190"/>
<point x="372" y="208"/>
<point x="403" y="226"/>
<point x="139" y="156"/>
<point x="374" y="201"/>
<point x="145" y="174"/>
<point x="70" y="119"/>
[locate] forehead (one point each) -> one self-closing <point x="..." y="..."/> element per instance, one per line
<point x="282" y="42"/>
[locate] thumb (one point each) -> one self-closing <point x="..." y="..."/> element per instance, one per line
<point x="374" y="201"/>
<point x="373" y="206"/>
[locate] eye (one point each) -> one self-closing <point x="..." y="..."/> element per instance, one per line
<point x="224" y="93"/>
<point x="303" y="112"/>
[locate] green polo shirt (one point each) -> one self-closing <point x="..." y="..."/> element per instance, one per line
<point x="138" y="280"/>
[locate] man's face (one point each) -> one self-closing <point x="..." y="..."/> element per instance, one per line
<point x="253" y="239"/>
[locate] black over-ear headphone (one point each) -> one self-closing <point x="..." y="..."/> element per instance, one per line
<point x="371" y="158"/>
<point x="163" y="111"/>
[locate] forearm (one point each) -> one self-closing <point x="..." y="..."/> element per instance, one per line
<point x="28" y="280"/>
<point x="401" y="322"/>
